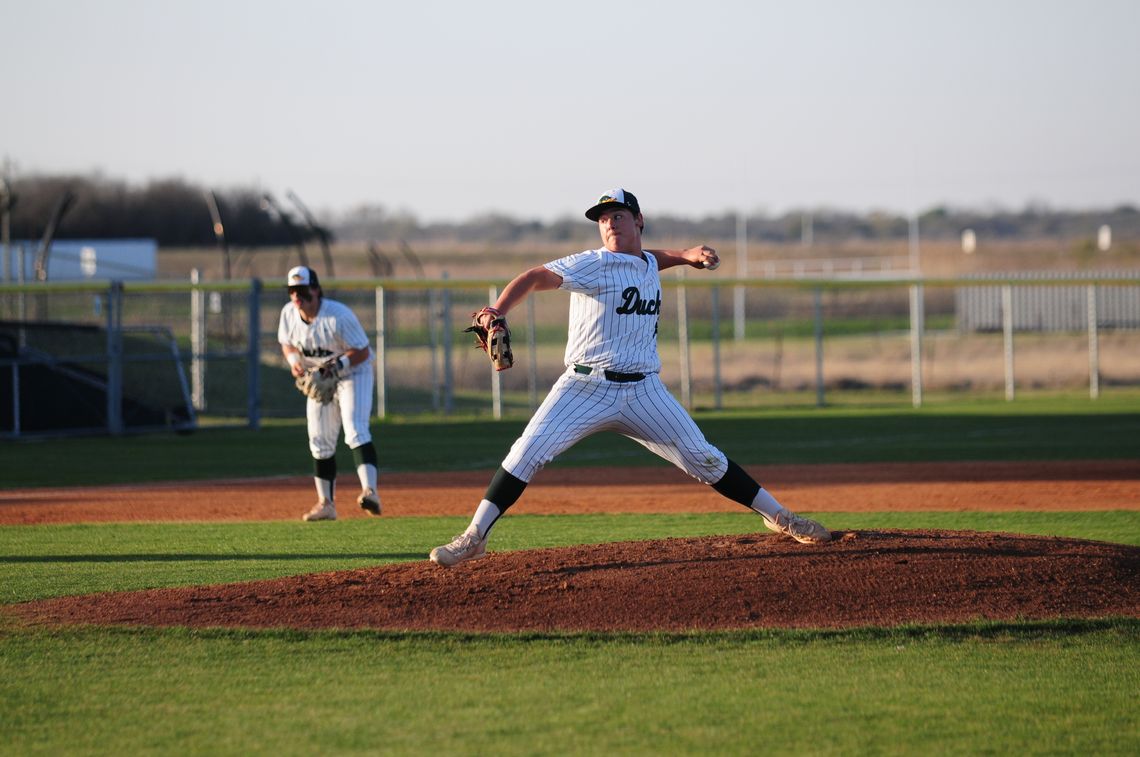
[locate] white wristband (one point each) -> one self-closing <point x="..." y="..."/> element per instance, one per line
<point x="293" y="358"/>
<point x="343" y="362"/>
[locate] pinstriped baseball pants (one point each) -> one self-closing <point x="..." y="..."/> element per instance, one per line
<point x="351" y="408"/>
<point x="581" y="405"/>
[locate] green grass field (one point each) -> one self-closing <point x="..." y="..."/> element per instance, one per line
<point x="1064" y="687"/>
<point x="1052" y="428"/>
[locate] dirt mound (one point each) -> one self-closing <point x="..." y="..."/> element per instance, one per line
<point x="754" y="581"/>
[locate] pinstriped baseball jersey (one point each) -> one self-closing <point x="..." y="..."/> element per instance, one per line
<point x="334" y="330"/>
<point x="615" y="301"/>
<point x="614" y="304"/>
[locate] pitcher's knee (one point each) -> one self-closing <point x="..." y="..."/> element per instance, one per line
<point x="707" y="466"/>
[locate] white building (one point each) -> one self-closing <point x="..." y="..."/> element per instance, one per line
<point x="84" y="260"/>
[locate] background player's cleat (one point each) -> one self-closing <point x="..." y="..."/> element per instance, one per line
<point x="323" y="510"/>
<point x="801" y="529"/>
<point x="466" y="546"/>
<point x="368" y="500"/>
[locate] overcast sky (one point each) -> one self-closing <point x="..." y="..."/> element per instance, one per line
<point x="452" y="109"/>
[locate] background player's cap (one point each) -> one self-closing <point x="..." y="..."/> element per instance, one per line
<point x="302" y="276"/>
<point x="614" y="198"/>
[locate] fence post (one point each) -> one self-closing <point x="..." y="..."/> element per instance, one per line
<point x="381" y="355"/>
<point x="1094" y="346"/>
<point x="683" y="343"/>
<point x="916" y="325"/>
<point x="198" y="342"/>
<point x="1007" y="332"/>
<point x="818" y="302"/>
<point x="448" y="369"/>
<point x="21" y="277"/>
<point x="741" y="271"/>
<point x="16" y="398"/>
<point x="115" y="358"/>
<point x="253" y="355"/>
<point x="718" y="387"/>
<point x="6" y="224"/>
<point x="496" y="380"/>
<point x="532" y="346"/>
<point x="433" y="346"/>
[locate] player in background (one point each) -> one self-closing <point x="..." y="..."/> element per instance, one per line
<point x="312" y="330"/>
<point x="611" y="381"/>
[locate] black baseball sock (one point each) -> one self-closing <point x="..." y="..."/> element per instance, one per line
<point x="504" y="490"/>
<point x="365" y="454"/>
<point x="737" y="485"/>
<point x="326" y="471"/>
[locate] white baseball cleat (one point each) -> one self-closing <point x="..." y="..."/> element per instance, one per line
<point x="323" y="510"/>
<point x="801" y="529"/>
<point x="467" y="546"/>
<point x="370" y="501"/>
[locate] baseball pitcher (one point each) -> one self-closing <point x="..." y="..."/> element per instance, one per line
<point x="611" y="381"/>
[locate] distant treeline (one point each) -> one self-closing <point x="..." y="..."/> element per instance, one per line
<point x="824" y="226"/>
<point x="171" y="211"/>
<point x="178" y="214"/>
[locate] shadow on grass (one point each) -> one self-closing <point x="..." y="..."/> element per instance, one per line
<point x="34" y="559"/>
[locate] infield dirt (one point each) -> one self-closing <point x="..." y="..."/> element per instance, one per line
<point x="872" y="577"/>
<point x="983" y="486"/>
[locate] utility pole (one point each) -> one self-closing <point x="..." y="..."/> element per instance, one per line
<point x="219" y="232"/>
<point x="269" y="205"/>
<point x="43" y="255"/>
<point x="319" y="231"/>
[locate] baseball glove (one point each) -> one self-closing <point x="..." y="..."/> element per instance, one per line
<point x="320" y="383"/>
<point x="493" y="337"/>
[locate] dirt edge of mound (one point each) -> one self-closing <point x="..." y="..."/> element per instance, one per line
<point x="863" y="578"/>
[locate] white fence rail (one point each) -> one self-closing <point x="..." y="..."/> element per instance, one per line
<point x="802" y="338"/>
<point x="1048" y="308"/>
<point x="841" y="267"/>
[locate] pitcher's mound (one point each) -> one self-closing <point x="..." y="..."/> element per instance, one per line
<point x="880" y="578"/>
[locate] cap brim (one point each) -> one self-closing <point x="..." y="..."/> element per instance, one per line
<point x="595" y="212"/>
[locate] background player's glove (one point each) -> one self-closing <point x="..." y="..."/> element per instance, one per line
<point x="320" y="383"/>
<point x="493" y="337"/>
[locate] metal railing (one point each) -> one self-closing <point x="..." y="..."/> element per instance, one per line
<point x="814" y="337"/>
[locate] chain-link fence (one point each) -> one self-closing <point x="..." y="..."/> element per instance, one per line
<point x="117" y="357"/>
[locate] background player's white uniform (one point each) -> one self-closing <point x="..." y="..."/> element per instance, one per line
<point x="615" y="302"/>
<point x="334" y="330"/>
